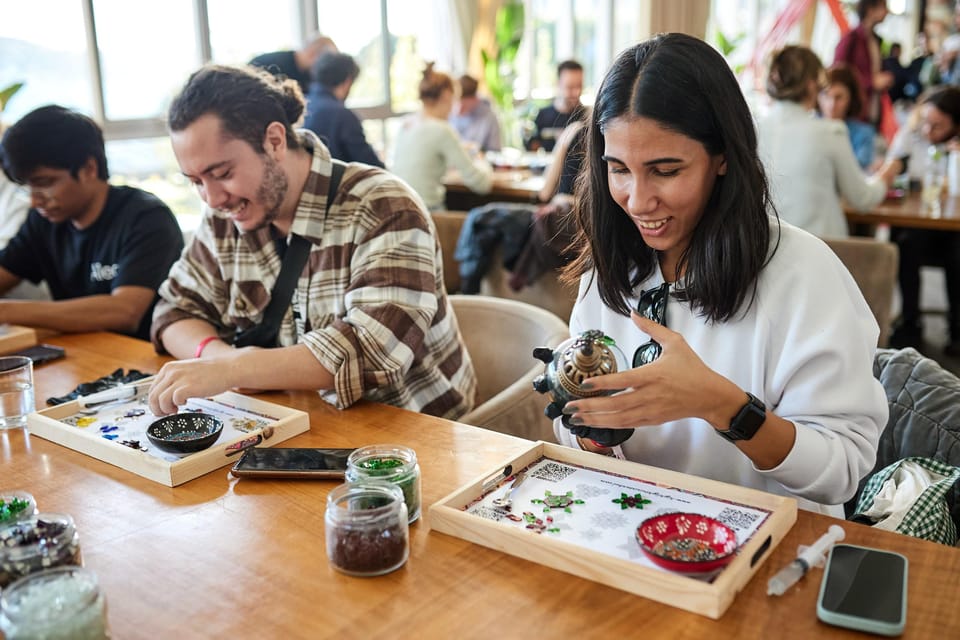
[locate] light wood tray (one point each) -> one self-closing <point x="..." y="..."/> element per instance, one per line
<point x="710" y="599"/>
<point x="284" y="423"/>
<point x="15" y="338"/>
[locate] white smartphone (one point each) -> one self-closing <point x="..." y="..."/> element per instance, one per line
<point x="299" y="463"/>
<point x="864" y="589"/>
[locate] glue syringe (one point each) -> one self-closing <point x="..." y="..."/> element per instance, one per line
<point x="812" y="556"/>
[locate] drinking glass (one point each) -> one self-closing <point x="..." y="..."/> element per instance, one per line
<point x="16" y="391"/>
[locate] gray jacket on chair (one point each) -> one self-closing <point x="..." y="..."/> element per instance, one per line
<point x="924" y="400"/>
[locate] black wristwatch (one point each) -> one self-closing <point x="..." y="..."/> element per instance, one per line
<point x="747" y="421"/>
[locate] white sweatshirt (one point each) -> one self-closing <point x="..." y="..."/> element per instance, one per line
<point x="805" y="348"/>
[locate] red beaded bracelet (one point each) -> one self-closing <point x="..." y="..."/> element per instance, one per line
<point x="202" y="345"/>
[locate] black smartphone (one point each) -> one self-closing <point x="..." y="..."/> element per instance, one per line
<point x="864" y="589"/>
<point x="41" y="353"/>
<point x="290" y="462"/>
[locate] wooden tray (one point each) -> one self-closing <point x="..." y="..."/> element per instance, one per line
<point x="247" y="422"/>
<point x="622" y="567"/>
<point x="14" y="338"/>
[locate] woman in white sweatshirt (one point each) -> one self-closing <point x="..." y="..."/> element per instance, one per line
<point x="751" y="345"/>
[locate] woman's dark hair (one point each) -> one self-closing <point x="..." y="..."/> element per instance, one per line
<point x="946" y="98"/>
<point x="844" y="75"/>
<point x="685" y="86"/>
<point x="864" y="6"/>
<point x="52" y="136"/>
<point x="245" y="99"/>
<point x="434" y="83"/>
<point x="791" y="71"/>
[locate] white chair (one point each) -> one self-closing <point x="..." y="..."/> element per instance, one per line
<point x="500" y="336"/>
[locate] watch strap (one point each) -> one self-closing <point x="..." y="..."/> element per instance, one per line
<point x="748" y="420"/>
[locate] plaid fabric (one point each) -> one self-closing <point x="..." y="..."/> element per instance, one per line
<point x="370" y="305"/>
<point x="928" y="516"/>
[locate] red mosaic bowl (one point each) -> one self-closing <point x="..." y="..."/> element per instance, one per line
<point x="687" y="542"/>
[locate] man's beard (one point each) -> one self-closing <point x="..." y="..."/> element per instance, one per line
<point x="272" y="191"/>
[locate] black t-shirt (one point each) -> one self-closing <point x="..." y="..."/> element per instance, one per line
<point x="283" y="64"/>
<point x="134" y="241"/>
<point x="549" y="123"/>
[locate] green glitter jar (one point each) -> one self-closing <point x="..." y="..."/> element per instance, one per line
<point x="393" y="463"/>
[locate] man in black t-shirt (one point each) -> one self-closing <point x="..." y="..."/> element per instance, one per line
<point x="295" y="65"/>
<point x="553" y="119"/>
<point x="102" y="250"/>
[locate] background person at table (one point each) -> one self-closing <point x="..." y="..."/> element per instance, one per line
<point x="679" y="196"/>
<point x="296" y="64"/>
<point x="860" y="48"/>
<point x="369" y="317"/>
<point x="840" y="99"/>
<point x="101" y="250"/>
<point x="473" y="117"/>
<point x="427" y="147"/>
<point x="809" y="160"/>
<point x="327" y="115"/>
<point x="534" y="238"/>
<point x="935" y="120"/>
<point x="552" y="119"/>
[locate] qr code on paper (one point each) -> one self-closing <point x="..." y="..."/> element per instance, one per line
<point x="553" y="471"/>
<point x="736" y="519"/>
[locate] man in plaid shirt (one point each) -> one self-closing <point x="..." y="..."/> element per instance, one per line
<point x="369" y="317"/>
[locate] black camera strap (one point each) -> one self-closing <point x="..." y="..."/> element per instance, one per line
<point x="294" y="259"/>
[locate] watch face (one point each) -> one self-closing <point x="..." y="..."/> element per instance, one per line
<point x="747" y="421"/>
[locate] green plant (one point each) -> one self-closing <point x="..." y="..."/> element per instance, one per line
<point x="728" y="45"/>
<point x="499" y="70"/>
<point x="7" y="93"/>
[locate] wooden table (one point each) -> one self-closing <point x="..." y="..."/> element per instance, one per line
<point x="509" y="185"/>
<point x="909" y="212"/>
<point x="224" y="558"/>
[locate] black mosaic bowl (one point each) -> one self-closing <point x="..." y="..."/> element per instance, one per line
<point x="185" y="432"/>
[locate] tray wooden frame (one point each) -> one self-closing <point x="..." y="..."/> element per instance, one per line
<point x="17" y="338"/>
<point x="46" y="424"/>
<point x="674" y="589"/>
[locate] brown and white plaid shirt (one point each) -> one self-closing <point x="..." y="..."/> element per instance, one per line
<point x="370" y="304"/>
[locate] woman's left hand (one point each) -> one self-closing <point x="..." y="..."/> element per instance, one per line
<point x="677" y="385"/>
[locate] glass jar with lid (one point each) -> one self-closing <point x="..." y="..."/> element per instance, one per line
<point x="16" y="505"/>
<point x="366" y="528"/>
<point x="64" y="603"/>
<point x="42" y="541"/>
<point x="392" y="463"/>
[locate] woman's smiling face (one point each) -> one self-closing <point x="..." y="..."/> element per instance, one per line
<point x="662" y="180"/>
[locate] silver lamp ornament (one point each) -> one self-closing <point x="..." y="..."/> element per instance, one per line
<point x="592" y="353"/>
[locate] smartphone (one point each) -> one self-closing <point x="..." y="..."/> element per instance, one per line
<point x="41" y="353"/>
<point x="288" y="462"/>
<point x="864" y="589"/>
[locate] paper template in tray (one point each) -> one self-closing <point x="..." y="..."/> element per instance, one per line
<point x="578" y="512"/>
<point x="246" y="422"/>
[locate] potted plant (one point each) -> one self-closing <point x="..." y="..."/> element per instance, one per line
<point x="499" y="67"/>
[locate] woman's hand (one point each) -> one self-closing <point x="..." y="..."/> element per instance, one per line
<point x="677" y="385"/>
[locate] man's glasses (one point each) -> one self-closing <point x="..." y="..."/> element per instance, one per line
<point x="45" y="192"/>
<point x="652" y="305"/>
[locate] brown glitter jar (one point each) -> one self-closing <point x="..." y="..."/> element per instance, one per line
<point x="42" y="541"/>
<point x="366" y="528"/>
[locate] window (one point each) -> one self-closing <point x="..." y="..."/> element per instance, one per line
<point x="358" y="33"/>
<point x="242" y="29"/>
<point x="42" y="46"/>
<point x="140" y="69"/>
